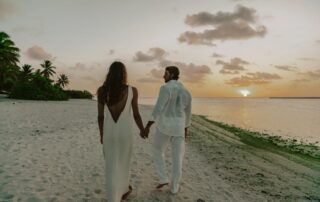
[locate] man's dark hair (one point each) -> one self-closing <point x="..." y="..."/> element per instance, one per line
<point x="174" y="71"/>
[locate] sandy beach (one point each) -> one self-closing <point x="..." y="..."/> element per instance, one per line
<point x="50" y="151"/>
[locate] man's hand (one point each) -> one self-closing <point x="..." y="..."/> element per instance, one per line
<point x="143" y="134"/>
<point x="147" y="128"/>
<point x="146" y="132"/>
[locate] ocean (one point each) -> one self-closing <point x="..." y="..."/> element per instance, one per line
<point x="289" y="118"/>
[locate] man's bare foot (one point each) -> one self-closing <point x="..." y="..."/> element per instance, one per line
<point x="125" y="196"/>
<point x="161" y="185"/>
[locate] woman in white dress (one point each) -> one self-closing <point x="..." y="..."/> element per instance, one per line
<point x="116" y="102"/>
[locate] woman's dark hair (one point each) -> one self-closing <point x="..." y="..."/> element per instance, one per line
<point x="113" y="86"/>
<point x="174" y="71"/>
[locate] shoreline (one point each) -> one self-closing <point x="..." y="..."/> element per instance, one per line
<point x="250" y="161"/>
<point x="308" y="154"/>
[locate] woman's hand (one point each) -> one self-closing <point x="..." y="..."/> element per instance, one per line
<point x="143" y="133"/>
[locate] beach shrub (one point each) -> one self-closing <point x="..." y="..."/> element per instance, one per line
<point x="37" y="88"/>
<point x="78" y="94"/>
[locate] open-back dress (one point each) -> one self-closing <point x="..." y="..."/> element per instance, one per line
<point x="117" y="148"/>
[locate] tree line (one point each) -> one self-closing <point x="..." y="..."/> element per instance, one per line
<point x="26" y="83"/>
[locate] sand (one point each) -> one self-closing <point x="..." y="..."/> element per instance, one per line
<point x="50" y="151"/>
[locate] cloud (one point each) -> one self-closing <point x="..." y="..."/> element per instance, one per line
<point x="215" y="55"/>
<point x="157" y="73"/>
<point x="314" y="75"/>
<point x="81" y="67"/>
<point x="149" y="80"/>
<point x="6" y="9"/>
<point x="151" y="55"/>
<point x="226" y="31"/>
<point x="155" y="76"/>
<point x="233" y="67"/>
<point x="257" y="78"/>
<point x="205" y="18"/>
<point x="38" y="53"/>
<point x="286" y="68"/>
<point x="301" y="80"/>
<point x="188" y="72"/>
<point x="193" y="38"/>
<point x="238" y="25"/>
<point x="307" y="59"/>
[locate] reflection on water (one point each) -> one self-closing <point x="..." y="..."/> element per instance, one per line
<point x="290" y="118"/>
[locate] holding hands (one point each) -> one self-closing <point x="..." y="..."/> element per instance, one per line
<point x="144" y="133"/>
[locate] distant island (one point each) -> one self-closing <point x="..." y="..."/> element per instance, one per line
<point x="294" y="97"/>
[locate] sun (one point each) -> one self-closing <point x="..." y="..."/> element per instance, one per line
<point x="244" y="92"/>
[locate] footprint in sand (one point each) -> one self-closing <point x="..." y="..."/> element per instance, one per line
<point x="95" y="175"/>
<point x="40" y="190"/>
<point x="97" y="191"/>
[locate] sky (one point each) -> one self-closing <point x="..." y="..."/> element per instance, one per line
<point x="228" y="48"/>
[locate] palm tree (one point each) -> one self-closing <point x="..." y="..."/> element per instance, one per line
<point x="9" y="57"/>
<point x="37" y="72"/>
<point x="47" y="69"/>
<point x="63" y="80"/>
<point x="26" y="71"/>
<point x="10" y="76"/>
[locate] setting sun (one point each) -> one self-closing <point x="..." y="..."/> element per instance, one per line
<point x="244" y="93"/>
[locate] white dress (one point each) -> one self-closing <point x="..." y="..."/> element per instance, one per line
<point x="117" y="149"/>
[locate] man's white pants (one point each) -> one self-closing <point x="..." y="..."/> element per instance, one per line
<point x="177" y="149"/>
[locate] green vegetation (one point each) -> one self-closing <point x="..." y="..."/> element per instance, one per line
<point x="25" y="83"/>
<point x="263" y="140"/>
<point x="36" y="87"/>
<point x="78" y="94"/>
<point x="9" y="58"/>
<point x="276" y="144"/>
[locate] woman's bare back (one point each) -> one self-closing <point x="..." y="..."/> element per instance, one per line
<point x="117" y="108"/>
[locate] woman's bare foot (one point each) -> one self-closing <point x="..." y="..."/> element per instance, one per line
<point x="125" y="196"/>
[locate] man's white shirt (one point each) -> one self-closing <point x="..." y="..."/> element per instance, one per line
<point x="172" y="112"/>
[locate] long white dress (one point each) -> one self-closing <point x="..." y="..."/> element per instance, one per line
<point x="117" y="149"/>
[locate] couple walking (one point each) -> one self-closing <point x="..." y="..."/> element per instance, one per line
<point x="171" y="115"/>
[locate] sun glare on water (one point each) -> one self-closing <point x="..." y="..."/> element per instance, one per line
<point x="244" y="93"/>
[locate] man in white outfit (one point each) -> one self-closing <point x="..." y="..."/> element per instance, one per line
<point x="172" y="115"/>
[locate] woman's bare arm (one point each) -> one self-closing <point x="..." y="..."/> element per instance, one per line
<point x="101" y="119"/>
<point x="136" y="113"/>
